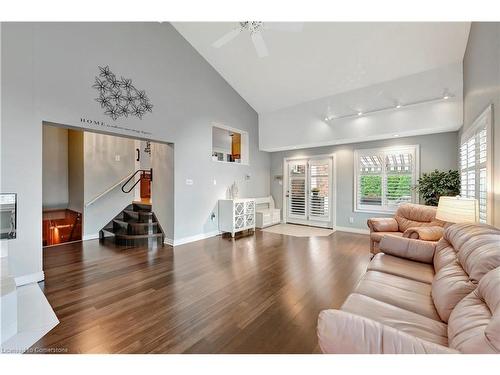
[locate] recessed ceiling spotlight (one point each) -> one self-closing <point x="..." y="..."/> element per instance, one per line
<point x="398" y="106"/>
<point x="360" y="113"/>
<point x="396" y="135"/>
<point x="445" y="97"/>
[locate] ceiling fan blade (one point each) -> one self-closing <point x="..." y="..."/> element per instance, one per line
<point x="226" y="38"/>
<point x="293" y="27"/>
<point x="259" y="44"/>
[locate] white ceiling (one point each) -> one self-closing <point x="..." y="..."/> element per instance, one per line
<point x="325" y="58"/>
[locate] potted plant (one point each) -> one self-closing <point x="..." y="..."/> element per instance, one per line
<point x="437" y="183"/>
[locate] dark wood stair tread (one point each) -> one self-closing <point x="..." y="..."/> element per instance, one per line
<point x="134" y="222"/>
<point x="130" y="225"/>
<point x="138" y="236"/>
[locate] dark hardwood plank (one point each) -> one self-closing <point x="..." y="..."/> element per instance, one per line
<point x="254" y="294"/>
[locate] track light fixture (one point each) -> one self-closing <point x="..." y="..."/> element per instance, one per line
<point x="446" y="95"/>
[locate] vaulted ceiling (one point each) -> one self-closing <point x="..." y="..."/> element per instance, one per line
<point x="325" y="59"/>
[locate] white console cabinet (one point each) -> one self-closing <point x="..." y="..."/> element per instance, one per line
<point x="236" y="215"/>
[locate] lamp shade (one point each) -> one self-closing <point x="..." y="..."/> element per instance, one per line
<point x="458" y="210"/>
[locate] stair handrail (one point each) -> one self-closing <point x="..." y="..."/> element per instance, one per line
<point x="133" y="175"/>
<point x="100" y="195"/>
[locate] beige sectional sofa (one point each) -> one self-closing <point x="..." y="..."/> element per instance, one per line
<point x="423" y="297"/>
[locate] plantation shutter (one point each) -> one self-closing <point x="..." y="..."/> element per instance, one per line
<point x="319" y="189"/>
<point x="369" y="189"/>
<point x="474" y="168"/>
<point x="399" y="178"/>
<point x="385" y="178"/>
<point x="297" y="194"/>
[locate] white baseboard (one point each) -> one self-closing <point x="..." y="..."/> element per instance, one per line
<point x="197" y="237"/>
<point x="30" y="278"/>
<point x="352" y="230"/>
<point x="94" y="236"/>
<point x="168" y="241"/>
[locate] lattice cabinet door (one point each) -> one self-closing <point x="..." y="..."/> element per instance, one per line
<point x="236" y="215"/>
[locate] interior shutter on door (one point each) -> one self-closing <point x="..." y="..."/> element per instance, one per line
<point x="319" y="189"/>
<point x="297" y="180"/>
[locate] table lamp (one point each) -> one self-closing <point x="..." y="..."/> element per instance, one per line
<point x="458" y="210"/>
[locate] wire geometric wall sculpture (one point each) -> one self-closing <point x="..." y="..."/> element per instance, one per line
<point x="118" y="97"/>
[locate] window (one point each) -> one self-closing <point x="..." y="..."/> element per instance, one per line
<point x="475" y="159"/>
<point x="384" y="178"/>
<point x="229" y="145"/>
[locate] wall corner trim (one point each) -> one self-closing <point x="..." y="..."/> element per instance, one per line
<point x="94" y="236"/>
<point x="196" y="237"/>
<point x="29" y="278"/>
<point x="352" y="230"/>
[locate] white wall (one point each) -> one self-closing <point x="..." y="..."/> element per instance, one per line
<point x="107" y="160"/>
<point x="437" y="151"/>
<point x="162" y="187"/>
<point x="221" y="140"/>
<point x="55" y="168"/>
<point x="304" y="125"/>
<point x="482" y="88"/>
<point x="48" y="70"/>
<point x="76" y="171"/>
<point x="21" y="172"/>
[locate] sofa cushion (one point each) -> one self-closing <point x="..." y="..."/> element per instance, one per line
<point x="424" y="233"/>
<point x="462" y="257"/>
<point x="474" y="324"/>
<point x="415" y="215"/>
<point x="450" y="285"/>
<point x="377" y="236"/>
<point x="398" y="318"/>
<point x="408" y="294"/>
<point x="443" y="255"/>
<point x="402" y="267"/>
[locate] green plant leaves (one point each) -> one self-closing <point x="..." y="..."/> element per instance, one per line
<point x="437" y="183"/>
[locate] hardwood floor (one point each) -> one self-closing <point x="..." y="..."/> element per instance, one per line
<point x="255" y="294"/>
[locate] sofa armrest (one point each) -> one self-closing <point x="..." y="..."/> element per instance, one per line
<point x="433" y="233"/>
<point x="345" y="333"/>
<point x="383" y="224"/>
<point x="417" y="250"/>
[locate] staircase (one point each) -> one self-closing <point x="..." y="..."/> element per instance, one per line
<point x="136" y="225"/>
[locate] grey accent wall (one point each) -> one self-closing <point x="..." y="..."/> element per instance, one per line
<point x="437" y="151"/>
<point x="482" y="87"/>
<point x="55" y="168"/>
<point x="47" y="74"/>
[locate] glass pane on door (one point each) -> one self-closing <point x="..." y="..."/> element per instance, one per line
<point x="297" y="190"/>
<point x="319" y="189"/>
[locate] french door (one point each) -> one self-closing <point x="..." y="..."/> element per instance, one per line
<point x="309" y="191"/>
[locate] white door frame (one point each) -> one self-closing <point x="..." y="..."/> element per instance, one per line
<point x="333" y="190"/>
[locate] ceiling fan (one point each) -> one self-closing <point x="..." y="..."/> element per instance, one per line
<point x="255" y="29"/>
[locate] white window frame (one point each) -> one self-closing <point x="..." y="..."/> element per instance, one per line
<point x="245" y="141"/>
<point x="473" y="131"/>
<point x="383" y="151"/>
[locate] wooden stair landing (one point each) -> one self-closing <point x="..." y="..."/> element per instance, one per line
<point x="136" y="225"/>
